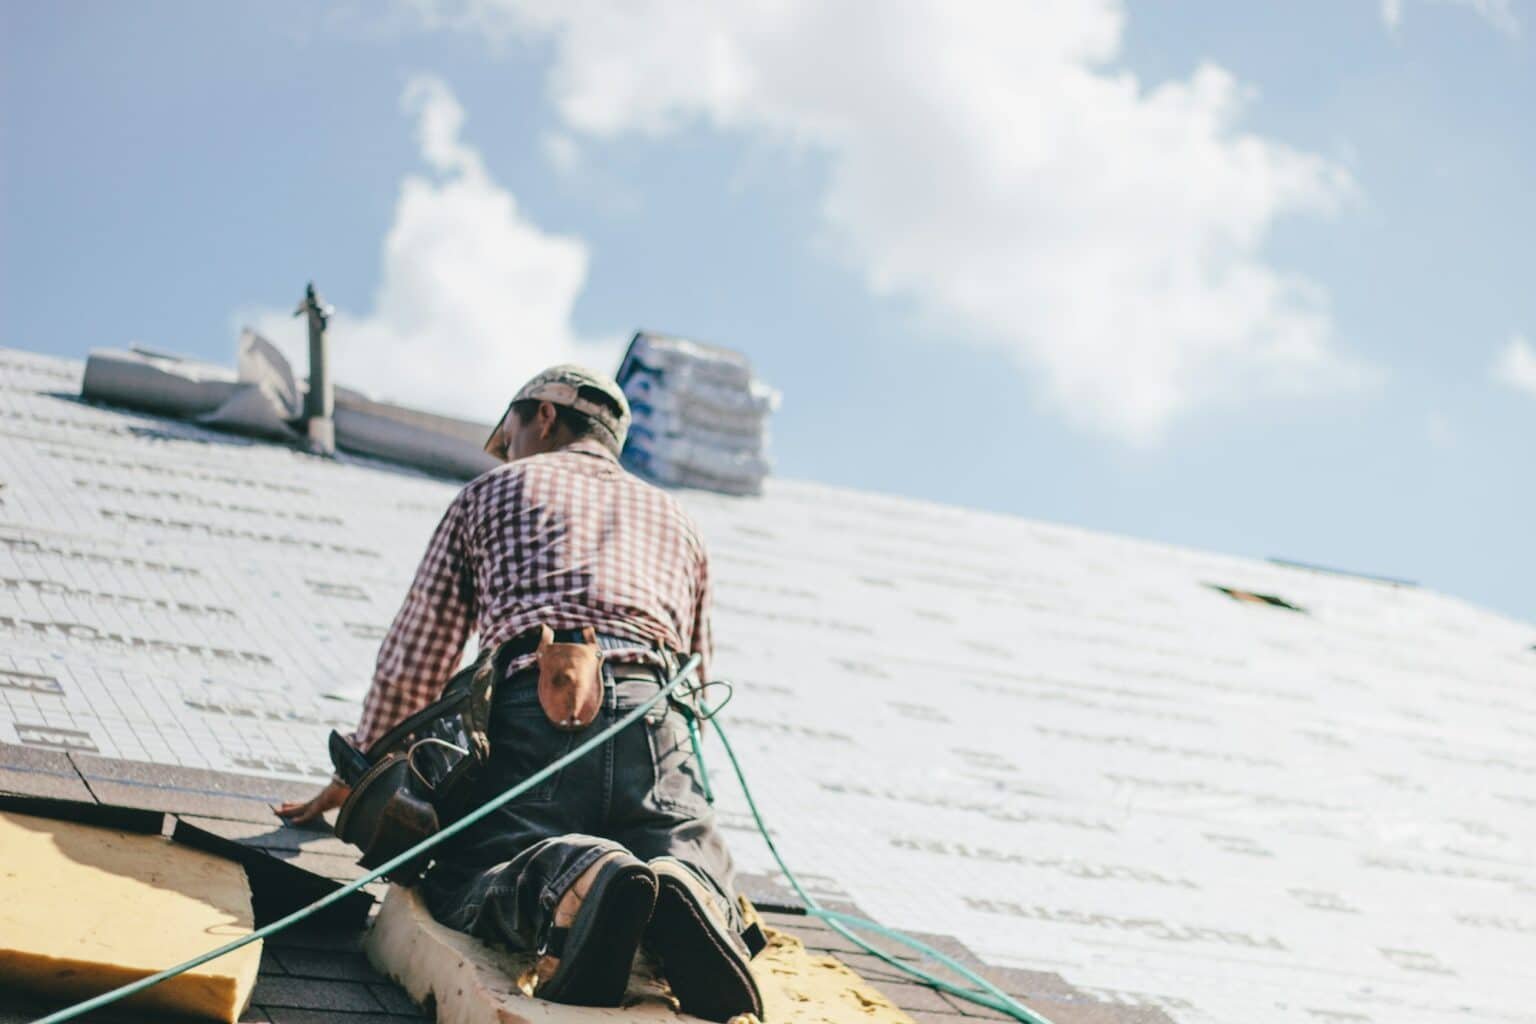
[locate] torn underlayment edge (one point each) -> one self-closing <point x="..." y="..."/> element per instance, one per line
<point x="264" y="399"/>
<point x="471" y="982"/>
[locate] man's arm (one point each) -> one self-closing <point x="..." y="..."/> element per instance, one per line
<point x="422" y="648"/>
<point x="427" y="638"/>
<point x="703" y="641"/>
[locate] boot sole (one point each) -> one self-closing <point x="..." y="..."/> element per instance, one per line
<point x="709" y="977"/>
<point x="594" y="966"/>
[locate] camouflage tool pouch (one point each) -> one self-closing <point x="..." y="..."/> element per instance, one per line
<point x="570" y="678"/>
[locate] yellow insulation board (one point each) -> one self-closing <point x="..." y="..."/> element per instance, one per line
<point x="84" y="910"/>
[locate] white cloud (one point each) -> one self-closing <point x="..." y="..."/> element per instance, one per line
<point x="1498" y="13"/>
<point x="562" y="152"/>
<point x="1516" y="365"/>
<point x="993" y="163"/>
<point x="473" y="298"/>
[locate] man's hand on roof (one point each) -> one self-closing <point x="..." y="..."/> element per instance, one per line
<point x="332" y="795"/>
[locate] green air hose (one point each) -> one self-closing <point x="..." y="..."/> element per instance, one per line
<point x="985" y="994"/>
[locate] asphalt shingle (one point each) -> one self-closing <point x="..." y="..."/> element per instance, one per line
<point x="1068" y="749"/>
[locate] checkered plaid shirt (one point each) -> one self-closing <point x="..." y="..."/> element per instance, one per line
<point x="567" y="539"/>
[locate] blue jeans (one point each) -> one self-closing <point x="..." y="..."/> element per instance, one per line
<point x="501" y="878"/>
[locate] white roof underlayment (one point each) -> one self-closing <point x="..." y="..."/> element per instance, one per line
<point x="1064" y="748"/>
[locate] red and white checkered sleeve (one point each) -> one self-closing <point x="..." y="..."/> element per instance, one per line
<point x="427" y="638"/>
<point x="703" y="642"/>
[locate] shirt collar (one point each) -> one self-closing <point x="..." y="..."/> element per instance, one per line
<point x="591" y="446"/>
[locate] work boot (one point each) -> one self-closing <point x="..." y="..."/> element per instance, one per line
<point x="704" y="961"/>
<point x="586" y="957"/>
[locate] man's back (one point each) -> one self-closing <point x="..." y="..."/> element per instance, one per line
<point x="563" y="539"/>
<point x="570" y="539"/>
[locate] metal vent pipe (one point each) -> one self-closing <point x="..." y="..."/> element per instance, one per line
<point x="320" y="399"/>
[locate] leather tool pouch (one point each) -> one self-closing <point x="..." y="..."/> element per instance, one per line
<point x="570" y="679"/>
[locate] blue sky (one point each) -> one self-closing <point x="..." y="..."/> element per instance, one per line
<point x="1251" y="278"/>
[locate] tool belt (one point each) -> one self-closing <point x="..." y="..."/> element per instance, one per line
<point x="422" y="773"/>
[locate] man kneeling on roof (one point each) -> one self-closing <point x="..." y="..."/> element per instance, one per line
<point x="619" y="848"/>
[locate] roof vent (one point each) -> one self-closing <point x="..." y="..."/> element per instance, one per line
<point x="320" y="399"/>
<point x="1250" y="597"/>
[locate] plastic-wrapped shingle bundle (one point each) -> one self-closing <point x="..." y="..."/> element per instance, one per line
<point x="700" y="416"/>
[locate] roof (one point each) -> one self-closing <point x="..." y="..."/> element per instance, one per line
<point x="1068" y="750"/>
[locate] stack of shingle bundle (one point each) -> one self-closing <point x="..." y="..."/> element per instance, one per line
<point x="700" y="416"/>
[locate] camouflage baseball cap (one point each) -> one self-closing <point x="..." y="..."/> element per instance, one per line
<point x="562" y="385"/>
